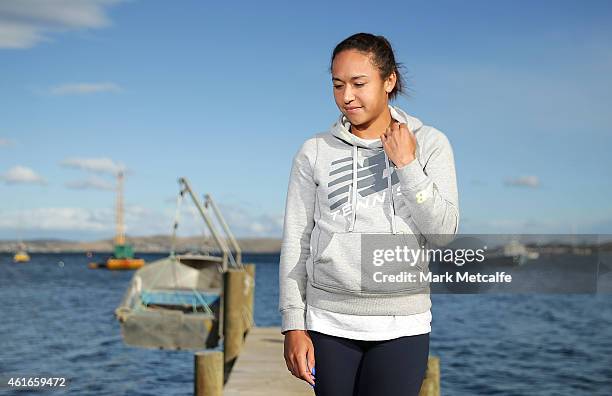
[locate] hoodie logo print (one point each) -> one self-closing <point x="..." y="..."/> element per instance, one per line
<point x="371" y="178"/>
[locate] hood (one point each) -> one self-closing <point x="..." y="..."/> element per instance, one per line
<point x="341" y="129"/>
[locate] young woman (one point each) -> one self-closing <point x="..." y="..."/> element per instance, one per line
<point x="377" y="170"/>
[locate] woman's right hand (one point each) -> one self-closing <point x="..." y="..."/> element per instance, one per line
<point x="299" y="354"/>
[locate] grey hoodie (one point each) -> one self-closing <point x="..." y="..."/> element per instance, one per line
<point x="339" y="189"/>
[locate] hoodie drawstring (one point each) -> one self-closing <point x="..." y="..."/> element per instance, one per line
<point x="390" y="191"/>
<point x="354" y="192"/>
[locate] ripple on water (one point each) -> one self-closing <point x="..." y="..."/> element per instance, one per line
<point x="61" y="320"/>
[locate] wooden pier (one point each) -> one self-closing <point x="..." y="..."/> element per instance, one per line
<point x="252" y="363"/>
<point x="261" y="370"/>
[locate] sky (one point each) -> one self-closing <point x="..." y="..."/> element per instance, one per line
<point x="225" y="93"/>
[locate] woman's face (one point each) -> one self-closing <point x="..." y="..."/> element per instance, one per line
<point x="359" y="91"/>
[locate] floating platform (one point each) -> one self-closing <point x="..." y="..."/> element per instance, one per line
<point x="118" y="264"/>
<point x="21" y="257"/>
<point x="124" y="263"/>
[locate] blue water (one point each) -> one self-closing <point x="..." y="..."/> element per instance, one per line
<point x="57" y="320"/>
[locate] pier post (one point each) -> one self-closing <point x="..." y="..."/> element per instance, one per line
<point x="250" y="304"/>
<point x="208" y="373"/>
<point x="235" y="294"/>
<point x="431" y="382"/>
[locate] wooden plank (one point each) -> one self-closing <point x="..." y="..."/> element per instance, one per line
<point x="260" y="369"/>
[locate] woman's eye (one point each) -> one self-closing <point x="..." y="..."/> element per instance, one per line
<point x="337" y="86"/>
<point x="360" y="84"/>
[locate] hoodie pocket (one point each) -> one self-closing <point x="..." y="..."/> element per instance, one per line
<point x="340" y="267"/>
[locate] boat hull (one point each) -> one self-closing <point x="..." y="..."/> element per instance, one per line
<point x="124" y="264"/>
<point x="167" y="329"/>
<point x="21" y="257"/>
<point x="171" y="305"/>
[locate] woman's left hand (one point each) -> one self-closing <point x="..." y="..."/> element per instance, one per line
<point x="399" y="144"/>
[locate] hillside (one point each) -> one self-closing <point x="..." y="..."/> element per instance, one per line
<point x="148" y="244"/>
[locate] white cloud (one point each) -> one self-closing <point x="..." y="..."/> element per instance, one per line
<point x="241" y="219"/>
<point x="524" y="181"/>
<point x="60" y="219"/>
<point x="92" y="183"/>
<point x="64" y="222"/>
<point x="84" y="88"/>
<point x="25" y="23"/>
<point x="18" y="35"/>
<point x="22" y="174"/>
<point x="530" y="225"/>
<point x="243" y="222"/>
<point x="98" y="165"/>
<point x="139" y="220"/>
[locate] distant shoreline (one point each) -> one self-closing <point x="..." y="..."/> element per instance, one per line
<point x="162" y="244"/>
<point x="149" y="244"/>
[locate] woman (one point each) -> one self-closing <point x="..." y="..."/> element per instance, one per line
<point x="377" y="170"/>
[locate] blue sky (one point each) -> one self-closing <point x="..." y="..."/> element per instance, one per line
<point x="225" y="94"/>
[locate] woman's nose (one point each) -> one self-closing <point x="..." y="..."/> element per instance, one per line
<point x="348" y="95"/>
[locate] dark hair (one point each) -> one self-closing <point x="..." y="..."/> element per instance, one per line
<point x="381" y="53"/>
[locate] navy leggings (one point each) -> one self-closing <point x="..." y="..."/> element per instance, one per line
<point x="346" y="367"/>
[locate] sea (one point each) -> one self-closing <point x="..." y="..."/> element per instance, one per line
<point x="58" y="321"/>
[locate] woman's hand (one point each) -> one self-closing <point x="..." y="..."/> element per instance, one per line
<point x="399" y="144"/>
<point x="299" y="354"/>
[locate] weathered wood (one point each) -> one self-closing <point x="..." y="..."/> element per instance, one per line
<point x="235" y="295"/>
<point x="428" y="387"/>
<point x="208" y="373"/>
<point x="431" y="383"/>
<point x="261" y="370"/>
<point x="250" y="298"/>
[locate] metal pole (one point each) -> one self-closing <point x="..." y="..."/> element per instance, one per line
<point x="220" y="243"/>
<point x="120" y="237"/>
<point x="208" y="199"/>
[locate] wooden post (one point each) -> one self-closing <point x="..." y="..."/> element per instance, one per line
<point x="250" y="305"/>
<point x="208" y="373"/>
<point x="431" y="382"/>
<point x="428" y="388"/>
<point x="433" y="367"/>
<point x="233" y="323"/>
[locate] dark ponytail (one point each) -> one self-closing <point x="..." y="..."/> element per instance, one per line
<point x="382" y="56"/>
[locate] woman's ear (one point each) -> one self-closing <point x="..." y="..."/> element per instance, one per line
<point x="390" y="82"/>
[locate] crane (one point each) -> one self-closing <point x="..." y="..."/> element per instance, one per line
<point x="123" y="253"/>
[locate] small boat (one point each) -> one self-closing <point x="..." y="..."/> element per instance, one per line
<point x="21" y="256"/>
<point x="124" y="263"/>
<point x="171" y="305"/>
<point x="514" y="254"/>
<point x="176" y="302"/>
